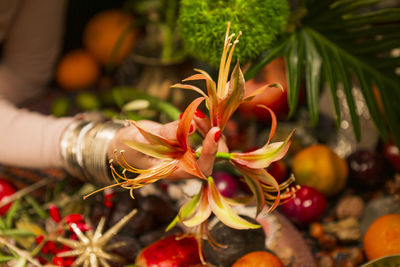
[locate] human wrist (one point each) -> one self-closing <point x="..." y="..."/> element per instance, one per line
<point x="84" y="147"/>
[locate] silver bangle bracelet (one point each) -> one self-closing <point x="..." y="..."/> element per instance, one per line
<point x="84" y="146"/>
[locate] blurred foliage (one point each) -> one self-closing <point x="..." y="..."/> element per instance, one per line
<point x="202" y="24"/>
<point x="338" y="42"/>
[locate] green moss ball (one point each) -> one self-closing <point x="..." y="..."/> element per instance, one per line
<point x="202" y="25"/>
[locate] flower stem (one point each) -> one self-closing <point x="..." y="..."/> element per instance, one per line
<point x="219" y="155"/>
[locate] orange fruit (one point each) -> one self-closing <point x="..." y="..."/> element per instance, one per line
<point x="320" y="167"/>
<point x="383" y="237"/>
<point x="109" y="36"/>
<point x="258" y="259"/>
<point x="77" y="70"/>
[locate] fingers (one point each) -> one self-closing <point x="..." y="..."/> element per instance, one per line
<point x="209" y="150"/>
<point x="168" y="130"/>
<point x="202" y="122"/>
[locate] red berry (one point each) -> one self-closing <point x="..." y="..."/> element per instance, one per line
<point x="54" y="213"/>
<point x="225" y="183"/>
<point x="307" y="206"/>
<point x="73" y="218"/>
<point x="81" y="226"/>
<point x="6" y="189"/>
<point x="59" y="261"/>
<point x="52" y="247"/>
<point x="41" y="260"/>
<point x="39" y="239"/>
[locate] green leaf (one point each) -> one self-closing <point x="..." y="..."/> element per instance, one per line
<point x="366" y="89"/>
<point x="380" y="16"/>
<point x="11" y="213"/>
<point x="390" y="110"/>
<point x="294" y="61"/>
<point x="386" y="261"/>
<point x="330" y="76"/>
<point x="2" y="224"/>
<point x="376" y="46"/>
<point x="266" y="58"/>
<point x="60" y="187"/>
<point x="6" y="258"/>
<point x="347" y="88"/>
<point x="16" y="233"/>
<point x="313" y="69"/>
<point x="42" y="214"/>
<point x="347" y="6"/>
<point x="118" y="98"/>
<point x="370" y="31"/>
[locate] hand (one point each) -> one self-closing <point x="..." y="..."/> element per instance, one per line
<point x="206" y="160"/>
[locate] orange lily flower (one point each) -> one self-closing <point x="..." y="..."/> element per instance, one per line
<point x="252" y="165"/>
<point x="197" y="211"/>
<point x="173" y="153"/>
<point x="225" y="97"/>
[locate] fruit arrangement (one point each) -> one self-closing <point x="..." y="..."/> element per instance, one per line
<point x="343" y="211"/>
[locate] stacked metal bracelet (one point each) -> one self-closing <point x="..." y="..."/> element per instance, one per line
<point x="84" y="146"/>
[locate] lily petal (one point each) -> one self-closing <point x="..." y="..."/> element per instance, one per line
<point x="261" y="89"/>
<point x="265" y="179"/>
<point x="189" y="87"/>
<point x="203" y="211"/>
<point x="223" y="211"/>
<point x="182" y="132"/>
<point x="154" y="138"/>
<point x="185" y="211"/>
<point x="188" y="163"/>
<point x="234" y="96"/>
<point x="264" y="156"/>
<point x="257" y="190"/>
<point x="157" y="151"/>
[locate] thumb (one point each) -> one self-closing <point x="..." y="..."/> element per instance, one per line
<point x="209" y="150"/>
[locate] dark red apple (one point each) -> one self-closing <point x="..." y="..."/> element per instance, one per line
<point x="172" y="251"/>
<point x="278" y="170"/>
<point x="366" y="169"/>
<point x="307" y="206"/>
<point x="392" y="154"/>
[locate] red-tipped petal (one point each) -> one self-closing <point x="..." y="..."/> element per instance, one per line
<point x="223" y="210"/>
<point x="188" y="163"/>
<point x="154" y="138"/>
<point x="184" y="124"/>
<point x="264" y="156"/>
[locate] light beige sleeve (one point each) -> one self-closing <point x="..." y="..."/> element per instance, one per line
<point x="31" y="45"/>
<point x="30" y="48"/>
<point x="29" y="139"/>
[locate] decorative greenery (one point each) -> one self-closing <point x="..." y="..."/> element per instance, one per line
<point x="335" y="41"/>
<point x="203" y="22"/>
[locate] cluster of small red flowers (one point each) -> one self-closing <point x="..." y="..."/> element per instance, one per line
<point x="52" y="248"/>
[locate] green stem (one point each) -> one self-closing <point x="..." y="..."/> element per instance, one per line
<point x="219" y="155"/>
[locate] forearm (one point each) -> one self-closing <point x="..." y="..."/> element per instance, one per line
<point x="30" y="139"/>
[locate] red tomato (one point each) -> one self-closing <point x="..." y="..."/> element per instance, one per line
<point x="6" y="189"/>
<point x="274" y="98"/>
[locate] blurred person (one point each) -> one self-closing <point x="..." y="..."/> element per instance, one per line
<point x="31" y="36"/>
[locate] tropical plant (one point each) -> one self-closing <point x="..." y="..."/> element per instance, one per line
<point x="339" y="42"/>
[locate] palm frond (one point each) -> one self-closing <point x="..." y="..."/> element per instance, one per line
<point x="339" y="42"/>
